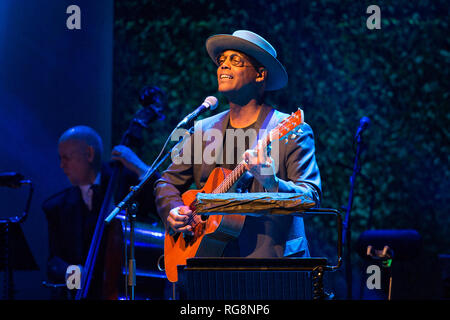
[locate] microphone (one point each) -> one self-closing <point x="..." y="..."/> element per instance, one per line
<point x="209" y="103"/>
<point x="363" y="125"/>
<point x="12" y="180"/>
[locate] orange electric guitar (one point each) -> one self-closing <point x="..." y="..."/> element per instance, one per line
<point x="211" y="236"/>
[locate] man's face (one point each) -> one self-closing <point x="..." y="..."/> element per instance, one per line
<point x="235" y="72"/>
<point x="76" y="159"/>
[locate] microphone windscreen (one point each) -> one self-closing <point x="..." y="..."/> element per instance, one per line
<point x="211" y="102"/>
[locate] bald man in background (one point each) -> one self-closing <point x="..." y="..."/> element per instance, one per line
<point x="73" y="212"/>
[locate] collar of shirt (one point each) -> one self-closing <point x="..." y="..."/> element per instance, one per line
<point x="86" y="192"/>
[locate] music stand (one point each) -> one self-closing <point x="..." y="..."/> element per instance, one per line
<point x="257" y="204"/>
<point x="15" y="254"/>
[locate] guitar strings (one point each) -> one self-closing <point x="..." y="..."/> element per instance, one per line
<point x="229" y="180"/>
<point x="223" y="187"/>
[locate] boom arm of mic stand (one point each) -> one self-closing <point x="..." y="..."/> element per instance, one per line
<point x="136" y="189"/>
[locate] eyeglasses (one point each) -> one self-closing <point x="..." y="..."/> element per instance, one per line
<point x="235" y="60"/>
<point x="71" y="155"/>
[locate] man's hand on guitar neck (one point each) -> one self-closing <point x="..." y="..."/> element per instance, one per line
<point x="262" y="167"/>
<point x="178" y="220"/>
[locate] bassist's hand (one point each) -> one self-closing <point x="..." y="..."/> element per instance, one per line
<point x="178" y="220"/>
<point x="129" y="159"/>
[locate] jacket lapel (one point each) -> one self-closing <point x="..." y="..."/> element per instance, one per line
<point x="213" y="131"/>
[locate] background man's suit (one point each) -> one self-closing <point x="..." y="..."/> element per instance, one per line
<point x="71" y="226"/>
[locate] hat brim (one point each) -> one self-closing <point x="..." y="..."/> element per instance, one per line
<point x="276" y="73"/>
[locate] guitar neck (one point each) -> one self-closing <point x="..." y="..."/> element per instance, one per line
<point x="234" y="176"/>
<point x="230" y="179"/>
<point x="282" y="129"/>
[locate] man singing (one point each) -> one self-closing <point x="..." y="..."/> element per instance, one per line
<point x="247" y="67"/>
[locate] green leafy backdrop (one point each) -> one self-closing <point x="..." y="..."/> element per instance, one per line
<point x="339" y="71"/>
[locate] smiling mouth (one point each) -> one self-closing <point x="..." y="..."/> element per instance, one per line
<point x="225" y="76"/>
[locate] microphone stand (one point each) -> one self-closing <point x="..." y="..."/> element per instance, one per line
<point x="131" y="216"/>
<point x="346" y="233"/>
<point x="136" y="189"/>
<point x="131" y="267"/>
<point x="8" y="256"/>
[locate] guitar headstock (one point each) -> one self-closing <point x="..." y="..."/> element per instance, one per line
<point x="289" y="125"/>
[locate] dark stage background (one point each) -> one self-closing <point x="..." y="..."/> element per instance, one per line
<point x="51" y="78"/>
<point x="339" y="71"/>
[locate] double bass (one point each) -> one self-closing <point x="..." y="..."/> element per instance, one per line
<point x="109" y="244"/>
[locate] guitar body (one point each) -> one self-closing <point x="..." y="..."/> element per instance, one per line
<point x="210" y="236"/>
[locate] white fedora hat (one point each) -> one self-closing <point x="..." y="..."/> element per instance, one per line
<point x="255" y="46"/>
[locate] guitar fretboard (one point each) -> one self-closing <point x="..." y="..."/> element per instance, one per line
<point x="282" y="129"/>
<point x="231" y="179"/>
